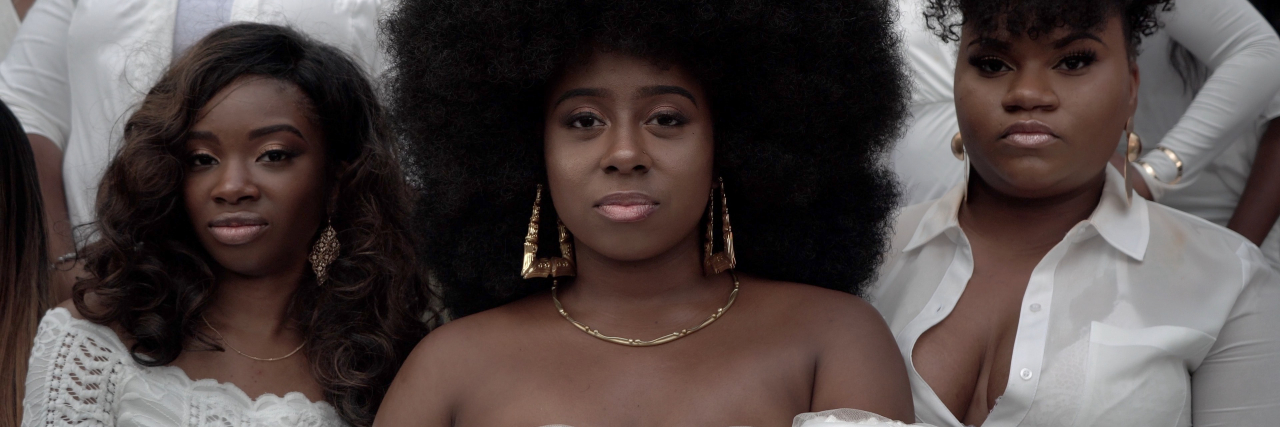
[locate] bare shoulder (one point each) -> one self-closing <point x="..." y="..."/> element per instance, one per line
<point x="442" y="369"/>
<point x="816" y="308"/>
<point x="858" y="362"/>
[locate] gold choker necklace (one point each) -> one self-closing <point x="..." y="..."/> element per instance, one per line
<point x="260" y="359"/>
<point x="643" y="343"/>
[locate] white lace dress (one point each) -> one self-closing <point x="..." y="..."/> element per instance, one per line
<point x="81" y="374"/>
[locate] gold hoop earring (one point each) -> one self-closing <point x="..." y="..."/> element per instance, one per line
<point x="957" y="147"/>
<point x="531" y="265"/>
<point x="717" y="262"/>
<point x="324" y="252"/>
<point x="1133" y="147"/>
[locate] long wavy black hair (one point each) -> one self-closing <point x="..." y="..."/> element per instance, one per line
<point x="806" y="96"/>
<point x="153" y="279"/>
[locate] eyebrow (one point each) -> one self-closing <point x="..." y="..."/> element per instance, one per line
<point x="574" y="93"/>
<point x="203" y="136"/>
<point x="267" y="130"/>
<point x="1078" y="35"/>
<point x="648" y="91"/>
<point x="992" y="43"/>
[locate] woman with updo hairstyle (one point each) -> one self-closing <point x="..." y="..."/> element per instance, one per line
<point x="1042" y="291"/>
<point x="252" y="267"/>
<point x="649" y="212"/>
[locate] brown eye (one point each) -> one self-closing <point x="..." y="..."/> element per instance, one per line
<point x="202" y="160"/>
<point x="668" y="120"/>
<point x="1077" y="61"/>
<point x="584" y="121"/>
<point x="275" y="156"/>
<point x="990" y="65"/>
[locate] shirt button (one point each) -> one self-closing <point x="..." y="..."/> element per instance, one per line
<point x="1025" y="374"/>
<point x="1035" y="308"/>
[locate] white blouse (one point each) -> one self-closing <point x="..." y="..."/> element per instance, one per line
<point x="78" y="68"/>
<point x="1141" y="316"/>
<point x="1229" y="36"/>
<point x="81" y="374"/>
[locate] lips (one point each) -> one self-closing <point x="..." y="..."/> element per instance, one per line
<point x="628" y="206"/>
<point x="237" y="228"/>
<point x="1029" y="134"/>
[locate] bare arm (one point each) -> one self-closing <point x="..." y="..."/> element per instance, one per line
<point x="57" y="225"/>
<point x="427" y="385"/>
<point x="1259" y="205"/>
<point x="22" y="6"/>
<point x="861" y="368"/>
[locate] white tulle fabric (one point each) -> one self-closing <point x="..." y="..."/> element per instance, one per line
<point x="836" y="418"/>
<point x="81" y="374"/>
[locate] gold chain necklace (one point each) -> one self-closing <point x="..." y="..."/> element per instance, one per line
<point x="656" y="341"/>
<point x="260" y="359"/>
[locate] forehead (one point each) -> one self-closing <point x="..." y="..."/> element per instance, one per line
<point x="623" y="73"/>
<point x="1110" y="32"/>
<point x="251" y="100"/>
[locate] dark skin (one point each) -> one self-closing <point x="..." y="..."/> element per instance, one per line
<point x="1259" y="205"/>
<point x="622" y="124"/>
<point x="254" y="150"/>
<point x="1026" y="189"/>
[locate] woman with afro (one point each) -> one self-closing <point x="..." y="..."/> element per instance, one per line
<point x="1041" y="291"/>
<point x="649" y="213"/>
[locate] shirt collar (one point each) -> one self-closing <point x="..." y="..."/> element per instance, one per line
<point x="1124" y="224"/>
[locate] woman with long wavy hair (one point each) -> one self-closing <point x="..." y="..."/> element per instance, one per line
<point x="24" y="278"/>
<point x="251" y="267"/>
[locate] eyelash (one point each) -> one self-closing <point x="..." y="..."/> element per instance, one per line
<point x="574" y="119"/>
<point x="1085" y="56"/>
<point x="285" y="153"/>
<point x="680" y="119"/>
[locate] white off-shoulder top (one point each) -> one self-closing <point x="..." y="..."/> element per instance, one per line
<point x="82" y="374"/>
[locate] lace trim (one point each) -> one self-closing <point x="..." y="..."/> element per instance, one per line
<point x="81" y="364"/>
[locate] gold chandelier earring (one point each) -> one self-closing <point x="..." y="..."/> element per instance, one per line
<point x="531" y="265"/>
<point x="324" y="252"/>
<point x="716" y="262"/>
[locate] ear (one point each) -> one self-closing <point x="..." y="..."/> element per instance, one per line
<point x="338" y="172"/>
<point x="1135" y="80"/>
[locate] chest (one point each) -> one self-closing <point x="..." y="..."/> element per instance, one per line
<point x="693" y="383"/>
<point x="965" y="358"/>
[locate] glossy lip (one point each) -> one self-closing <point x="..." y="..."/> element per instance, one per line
<point x="237" y="228"/>
<point x="626" y="206"/>
<point x="1029" y="134"/>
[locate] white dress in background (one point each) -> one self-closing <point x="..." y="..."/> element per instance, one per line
<point x="835" y="418"/>
<point x="1141" y="316"/>
<point x="1216" y="131"/>
<point x="82" y="374"/>
<point x="1229" y="36"/>
<point x="78" y="68"/>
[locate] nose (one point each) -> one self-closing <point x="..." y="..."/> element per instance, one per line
<point x="235" y="185"/>
<point x="1030" y="90"/>
<point x="626" y="153"/>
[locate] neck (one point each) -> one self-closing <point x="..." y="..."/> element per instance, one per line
<point x="255" y="304"/>
<point x="1026" y="224"/>
<point x="671" y="281"/>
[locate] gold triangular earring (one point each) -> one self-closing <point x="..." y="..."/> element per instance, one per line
<point x="531" y="265"/>
<point x="717" y="262"/>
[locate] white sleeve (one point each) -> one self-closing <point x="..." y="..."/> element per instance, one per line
<point x="1238" y="383"/>
<point x="1243" y="52"/>
<point x="33" y="76"/>
<point x="72" y="374"/>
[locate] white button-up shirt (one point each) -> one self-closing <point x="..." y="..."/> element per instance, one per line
<point x="1141" y="316"/>
<point x="78" y="68"/>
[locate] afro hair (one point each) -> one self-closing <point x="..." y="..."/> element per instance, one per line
<point x="807" y="98"/>
<point x="1036" y="17"/>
